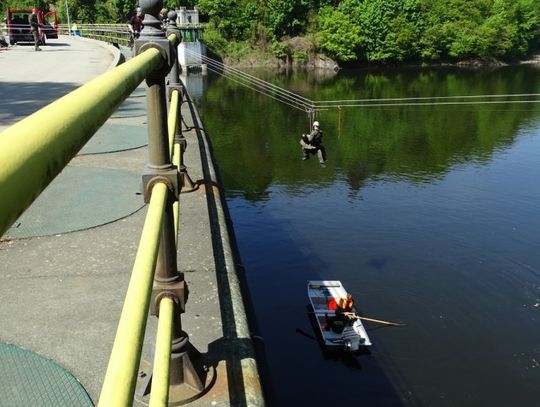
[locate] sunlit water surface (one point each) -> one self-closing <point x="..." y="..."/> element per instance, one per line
<point x="429" y="215"/>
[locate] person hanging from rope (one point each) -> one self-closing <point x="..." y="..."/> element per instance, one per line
<point x="312" y="143"/>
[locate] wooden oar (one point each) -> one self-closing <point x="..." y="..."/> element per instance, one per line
<point x="379" y="321"/>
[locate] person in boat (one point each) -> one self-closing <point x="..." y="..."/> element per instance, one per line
<point x="344" y="310"/>
<point x="312" y="143"/>
<point x="344" y="314"/>
<point x="345" y="304"/>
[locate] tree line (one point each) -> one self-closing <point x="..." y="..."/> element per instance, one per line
<point x="385" y="30"/>
<point x="349" y="30"/>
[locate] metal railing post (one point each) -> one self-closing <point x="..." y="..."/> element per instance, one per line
<point x="188" y="373"/>
<point x="175" y="84"/>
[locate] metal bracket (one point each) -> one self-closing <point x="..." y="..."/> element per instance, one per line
<point x="178" y="290"/>
<point x="170" y="176"/>
<point x="180" y="139"/>
<point x="165" y="49"/>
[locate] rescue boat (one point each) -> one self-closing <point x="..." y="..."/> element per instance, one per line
<point x="337" y="333"/>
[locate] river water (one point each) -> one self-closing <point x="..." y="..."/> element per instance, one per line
<point x="429" y="215"/>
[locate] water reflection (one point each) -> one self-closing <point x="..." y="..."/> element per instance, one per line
<point x="256" y="138"/>
<point x="428" y="214"/>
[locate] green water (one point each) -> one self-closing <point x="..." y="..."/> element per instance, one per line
<point x="428" y="214"/>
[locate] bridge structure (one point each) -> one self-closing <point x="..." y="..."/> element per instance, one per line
<point x="107" y="300"/>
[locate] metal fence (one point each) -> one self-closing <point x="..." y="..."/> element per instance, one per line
<point x="112" y="33"/>
<point x="30" y="163"/>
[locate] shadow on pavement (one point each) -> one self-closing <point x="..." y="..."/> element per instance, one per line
<point x="19" y="99"/>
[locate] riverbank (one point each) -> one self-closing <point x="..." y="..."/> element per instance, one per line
<point x="299" y="53"/>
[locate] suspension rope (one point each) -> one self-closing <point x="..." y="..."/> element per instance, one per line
<point x="260" y="88"/>
<point x="310" y="106"/>
<point x="511" y="95"/>
<point x="254" y="81"/>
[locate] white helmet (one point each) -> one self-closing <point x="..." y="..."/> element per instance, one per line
<point x="316" y="124"/>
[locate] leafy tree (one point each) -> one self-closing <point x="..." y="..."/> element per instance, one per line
<point x="339" y="34"/>
<point x="287" y="17"/>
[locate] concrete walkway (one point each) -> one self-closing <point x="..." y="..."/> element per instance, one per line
<point x="62" y="295"/>
<point x="30" y="80"/>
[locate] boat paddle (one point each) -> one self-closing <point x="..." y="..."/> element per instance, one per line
<point x="379" y="321"/>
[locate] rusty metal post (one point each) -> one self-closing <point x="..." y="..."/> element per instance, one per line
<point x="188" y="379"/>
<point x="174" y="83"/>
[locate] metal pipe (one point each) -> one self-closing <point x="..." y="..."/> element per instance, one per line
<point x="35" y="150"/>
<point x="158" y="146"/>
<point x="176" y="204"/>
<point x="175" y="152"/>
<point x="160" y="159"/>
<point x="159" y="397"/>
<point x="173" y="118"/>
<point x="119" y="383"/>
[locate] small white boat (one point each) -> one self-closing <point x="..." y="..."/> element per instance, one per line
<point x="336" y="333"/>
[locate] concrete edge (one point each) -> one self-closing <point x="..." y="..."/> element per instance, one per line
<point x="117" y="55"/>
<point x="250" y="371"/>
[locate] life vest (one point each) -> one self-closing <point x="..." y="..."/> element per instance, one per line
<point x="346" y="304"/>
<point x="332" y="304"/>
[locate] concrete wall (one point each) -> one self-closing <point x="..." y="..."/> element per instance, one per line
<point x="189" y="54"/>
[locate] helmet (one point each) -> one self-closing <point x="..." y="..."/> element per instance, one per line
<point x="138" y="10"/>
<point x="316" y="124"/>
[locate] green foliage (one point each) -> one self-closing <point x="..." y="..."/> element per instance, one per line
<point x="287" y="17"/>
<point x="347" y="30"/>
<point x="339" y="34"/>
<point x="234" y="19"/>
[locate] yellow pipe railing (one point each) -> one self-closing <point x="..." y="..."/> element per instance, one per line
<point x="159" y="397"/>
<point x="172" y="120"/>
<point x="176" y="204"/>
<point x="120" y="379"/>
<point x="36" y="149"/>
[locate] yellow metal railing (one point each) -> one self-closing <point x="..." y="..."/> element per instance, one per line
<point x="120" y="379"/>
<point x="162" y="361"/>
<point x="36" y="149"/>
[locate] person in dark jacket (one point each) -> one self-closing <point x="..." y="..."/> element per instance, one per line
<point x="312" y="143"/>
<point x="34" y="29"/>
<point x="135" y="26"/>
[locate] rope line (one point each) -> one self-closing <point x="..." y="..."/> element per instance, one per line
<point x="234" y="79"/>
<point x="302" y="103"/>
<point x="258" y="85"/>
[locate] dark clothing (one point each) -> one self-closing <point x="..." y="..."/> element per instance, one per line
<point x="34" y="28"/>
<point x="312" y="144"/>
<point x="136" y="23"/>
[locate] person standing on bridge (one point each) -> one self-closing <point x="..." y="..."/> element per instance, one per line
<point x="312" y="144"/>
<point x="135" y="26"/>
<point x="34" y="29"/>
<point x="163" y="18"/>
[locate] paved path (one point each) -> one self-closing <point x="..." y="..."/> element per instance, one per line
<point x="62" y="295"/>
<point x="30" y="80"/>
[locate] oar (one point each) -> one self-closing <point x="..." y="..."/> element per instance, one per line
<point x="379" y="321"/>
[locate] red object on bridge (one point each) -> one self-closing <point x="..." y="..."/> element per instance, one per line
<point x="18" y="26"/>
